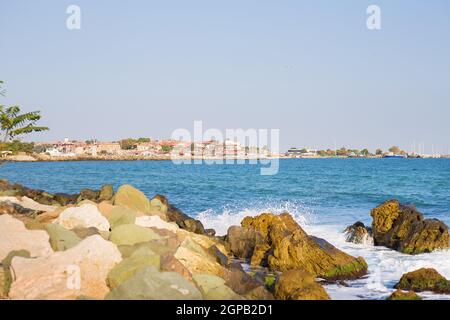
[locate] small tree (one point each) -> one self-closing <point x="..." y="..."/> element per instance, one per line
<point x="15" y="124"/>
<point x="379" y="152"/>
<point x="395" y="149"/>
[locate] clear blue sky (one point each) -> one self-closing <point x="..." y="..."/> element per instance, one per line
<point x="310" y="68"/>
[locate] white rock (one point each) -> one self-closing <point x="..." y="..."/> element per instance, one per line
<point x="85" y="216"/>
<point x="15" y="236"/>
<point x="79" y="271"/>
<point x="28" y="203"/>
<point x="155" y="222"/>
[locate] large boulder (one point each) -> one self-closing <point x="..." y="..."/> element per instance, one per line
<point x="299" y="285"/>
<point x="60" y="238"/>
<point x="28" y="203"/>
<point x="131" y="234"/>
<point x="120" y="215"/>
<point x="424" y="279"/>
<point x="404" y="295"/>
<point x="79" y="271"/>
<point x="214" y="288"/>
<point x="358" y="233"/>
<point x="197" y="260"/>
<point x="404" y="229"/>
<point x="88" y="194"/>
<point x="242" y="241"/>
<point x="132" y="198"/>
<point x="15" y="236"/>
<point x="285" y="246"/>
<point x="151" y="284"/>
<point x="84" y="216"/>
<point x="141" y="258"/>
<point x="106" y="193"/>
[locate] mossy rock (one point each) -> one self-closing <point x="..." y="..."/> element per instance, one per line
<point x="132" y="198"/>
<point x="214" y="288"/>
<point x="61" y="239"/>
<point x="121" y="215"/>
<point x="404" y="295"/>
<point x="141" y="258"/>
<point x="131" y="234"/>
<point x="106" y="192"/>
<point x="424" y="279"/>
<point x="403" y="228"/>
<point x="151" y="284"/>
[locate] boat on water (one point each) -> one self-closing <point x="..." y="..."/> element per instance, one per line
<point x="392" y="155"/>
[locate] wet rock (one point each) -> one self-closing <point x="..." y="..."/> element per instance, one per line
<point x="131" y="234"/>
<point x="424" y="279"/>
<point x="106" y="192"/>
<point x="218" y="255"/>
<point x="65" y="199"/>
<point x="85" y="216"/>
<point x="404" y="229"/>
<point x="15" y="236"/>
<point x="299" y="285"/>
<point x="242" y="241"/>
<point x="120" y="215"/>
<point x="359" y="233"/>
<point x="81" y="270"/>
<point x="259" y="293"/>
<point x="11" y="208"/>
<point x="88" y="194"/>
<point x="28" y="203"/>
<point x="290" y="248"/>
<point x="404" y="295"/>
<point x="151" y="284"/>
<point x="123" y="271"/>
<point x="131" y="198"/>
<point x="61" y="239"/>
<point x="240" y="282"/>
<point x="214" y="288"/>
<point x="173" y="214"/>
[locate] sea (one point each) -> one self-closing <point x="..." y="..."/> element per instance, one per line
<point x="324" y="196"/>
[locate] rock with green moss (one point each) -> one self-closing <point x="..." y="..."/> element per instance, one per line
<point x="61" y="239"/>
<point x="121" y="215"/>
<point x="424" y="279"/>
<point x="299" y="285"/>
<point x="404" y="229"/>
<point x="214" y="288"/>
<point x="141" y="258"/>
<point x="288" y="247"/>
<point x="131" y="234"/>
<point x="151" y="284"/>
<point x="404" y="295"/>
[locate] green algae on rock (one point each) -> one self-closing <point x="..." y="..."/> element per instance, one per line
<point x="404" y="229"/>
<point x="424" y="279"/>
<point x="404" y="295"/>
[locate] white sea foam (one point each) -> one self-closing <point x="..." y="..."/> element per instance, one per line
<point x="385" y="266"/>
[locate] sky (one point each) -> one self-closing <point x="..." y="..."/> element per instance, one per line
<point x="311" y="69"/>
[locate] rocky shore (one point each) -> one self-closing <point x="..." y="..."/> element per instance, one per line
<point x="118" y="244"/>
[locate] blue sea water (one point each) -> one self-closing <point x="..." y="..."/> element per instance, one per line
<point x="324" y="195"/>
